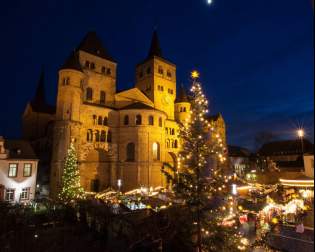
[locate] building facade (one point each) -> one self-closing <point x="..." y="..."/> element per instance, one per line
<point x="119" y="135"/>
<point x="18" y="171"/>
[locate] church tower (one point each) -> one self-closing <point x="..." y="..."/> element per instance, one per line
<point x="182" y="106"/>
<point x="156" y="77"/>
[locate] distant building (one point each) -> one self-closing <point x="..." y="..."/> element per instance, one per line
<point x="239" y="160"/>
<point x="18" y="171"/>
<point x="287" y="154"/>
<point x="309" y="165"/>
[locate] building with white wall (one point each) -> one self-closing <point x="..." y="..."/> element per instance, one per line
<point x="18" y="171"/>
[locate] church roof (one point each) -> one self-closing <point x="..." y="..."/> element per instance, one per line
<point x="39" y="103"/>
<point x="155" y="48"/>
<point x="92" y="44"/>
<point x="181" y="95"/>
<point x="72" y="62"/>
<point x="138" y="105"/>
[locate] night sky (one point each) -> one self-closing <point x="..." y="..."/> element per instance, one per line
<point x="256" y="57"/>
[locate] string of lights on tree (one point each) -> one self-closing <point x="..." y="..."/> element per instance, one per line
<point x="71" y="188"/>
<point x="214" y="220"/>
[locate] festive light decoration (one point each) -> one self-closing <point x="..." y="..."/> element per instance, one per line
<point x="213" y="224"/>
<point x="71" y="188"/>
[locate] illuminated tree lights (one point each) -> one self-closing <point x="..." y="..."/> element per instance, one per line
<point x="207" y="197"/>
<point x="71" y="189"/>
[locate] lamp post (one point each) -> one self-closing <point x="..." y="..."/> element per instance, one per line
<point x="301" y="134"/>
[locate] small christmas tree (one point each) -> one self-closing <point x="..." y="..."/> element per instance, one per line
<point x="207" y="199"/>
<point x="71" y="188"/>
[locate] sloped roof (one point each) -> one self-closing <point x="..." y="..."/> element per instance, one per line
<point x="72" y="62"/>
<point x="39" y="103"/>
<point x="155" y="48"/>
<point x="237" y="151"/>
<point x="92" y="44"/>
<point x="214" y="117"/>
<point x="181" y="95"/>
<point x="138" y="105"/>
<point x="286" y="147"/>
<point x="19" y="149"/>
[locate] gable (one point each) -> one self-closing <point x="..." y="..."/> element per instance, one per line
<point x="130" y="96"/>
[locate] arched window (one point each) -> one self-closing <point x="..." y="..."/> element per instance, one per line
<point x="173" y="144"/>
<point x="102" y="97"/>
<point x="138" y="120"/>
<point x="130" y="152"/>
<point x="100" y="120"/>
<point x="109" y="136"/>
<point x="105" y="121"/>
<point x="103" y="136"/>
<point x="167" y="143"/>
<point x="156" y="151"/>
<point x="126" y="120"/>
<point x="176" y="144"/>
<point x="173" y="132"/>
<point x="94" y="119"/>
<point x="89" y="136"/>
<point x="97" y="136"/>
<point x="151" y="120"/>
<point x="160" y="122"/>
<point x="89" y="94"/>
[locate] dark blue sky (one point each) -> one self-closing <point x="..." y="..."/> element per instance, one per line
<point x="256" y="58"/>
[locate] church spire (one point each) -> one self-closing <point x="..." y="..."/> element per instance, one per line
<point x="40" y="98"/>
<point x="155" y="49"/>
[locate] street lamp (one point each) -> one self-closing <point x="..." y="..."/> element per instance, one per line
<point x="301" y="134"/>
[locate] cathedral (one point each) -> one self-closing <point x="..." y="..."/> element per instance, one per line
<point x="121" y="136"/>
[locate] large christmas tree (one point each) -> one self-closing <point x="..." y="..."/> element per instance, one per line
<point x="71" y="189"/>
<point x="207" y="198"/>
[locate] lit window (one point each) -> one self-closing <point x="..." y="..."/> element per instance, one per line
<point x="13" y="170"/>
<point x="130" y="152"/>
<point x="27" y="171"/>
<point x="25" y="194"/>
<point x="9" y="194"/>
<point x="156" y="151"/>
<point x="151" y="120"/>
<point x="138" y="120"/>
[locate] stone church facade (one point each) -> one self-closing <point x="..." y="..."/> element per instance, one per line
<point x="125" y="135"/>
